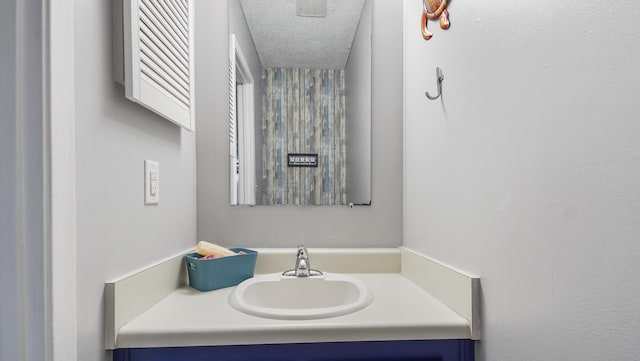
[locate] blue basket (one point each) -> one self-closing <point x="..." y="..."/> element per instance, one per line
<point x="212" y="274"/>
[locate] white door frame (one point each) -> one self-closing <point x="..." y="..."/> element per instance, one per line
<point x="242" y="113"/>
<point x="40" y="291"/>
<point x="61" y="114"/>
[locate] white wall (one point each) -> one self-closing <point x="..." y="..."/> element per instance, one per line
<point x="357" y="75"/>
<point x="527" y="172"/>
<point x="378" y="225"/>
<point x="116" y="232"/>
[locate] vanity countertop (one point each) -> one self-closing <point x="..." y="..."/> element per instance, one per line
<point x="415" y="298"/>
<point x="400" y="311"/>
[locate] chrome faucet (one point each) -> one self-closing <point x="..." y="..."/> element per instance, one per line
<point x="303" y="265"/>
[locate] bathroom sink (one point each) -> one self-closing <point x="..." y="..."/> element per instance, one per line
<point x="300" y="298"/>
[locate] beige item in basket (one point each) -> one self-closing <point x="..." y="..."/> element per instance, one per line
<point x="206" y="249"/>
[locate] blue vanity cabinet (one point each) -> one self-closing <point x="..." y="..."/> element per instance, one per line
<point x="420" y="350"/>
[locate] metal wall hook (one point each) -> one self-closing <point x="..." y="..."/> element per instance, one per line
<point x="439" y="79"/>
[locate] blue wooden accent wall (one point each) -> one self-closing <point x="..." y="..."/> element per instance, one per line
<point x="303" y="111"/>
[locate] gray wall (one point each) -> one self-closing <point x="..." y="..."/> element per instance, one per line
<point x="358" y="124"/>
<point x="9" y="282"/>
<point x="23" y="184"/>
<point x="527" y="173"/>
<point x="375" y="226"/>
<point x="116" y="232"/>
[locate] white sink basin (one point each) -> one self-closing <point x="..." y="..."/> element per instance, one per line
<point x="300" y="298"/>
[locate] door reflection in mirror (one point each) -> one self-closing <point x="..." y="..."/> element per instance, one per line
<point x="241" y="128"/>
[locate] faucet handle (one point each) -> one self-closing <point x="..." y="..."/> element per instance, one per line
<point x="302" y="263"/>
<point x="303" y="266"/>
<point x="302" y="252"/>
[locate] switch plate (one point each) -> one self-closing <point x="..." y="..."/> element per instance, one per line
<point x="151" y="182"/>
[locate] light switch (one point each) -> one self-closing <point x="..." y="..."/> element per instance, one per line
<point x="151" y="182"/>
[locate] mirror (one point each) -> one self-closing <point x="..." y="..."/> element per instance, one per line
<point x="300" y="102"/>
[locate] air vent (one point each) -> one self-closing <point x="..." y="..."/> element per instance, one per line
<point x="311" y="8"/>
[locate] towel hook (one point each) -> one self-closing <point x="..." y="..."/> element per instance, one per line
<point x="439" y="79"/>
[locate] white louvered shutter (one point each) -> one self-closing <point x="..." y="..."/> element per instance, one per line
<point x="233" y="129"/>
<point x="158" y="57"/>
<point x="232" y="97"/>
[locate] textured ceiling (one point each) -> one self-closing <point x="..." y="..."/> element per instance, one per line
<point x="285" y="40"/>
